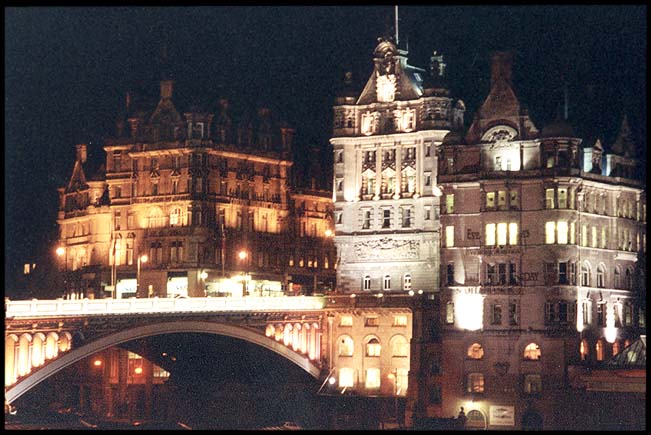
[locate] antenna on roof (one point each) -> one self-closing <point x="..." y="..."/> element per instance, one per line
<point x="396" y="14"/>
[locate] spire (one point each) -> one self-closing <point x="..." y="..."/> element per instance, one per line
<point x="624" y="144"/>
<point x="167" y="81"/>
<point x="397" y="33"/>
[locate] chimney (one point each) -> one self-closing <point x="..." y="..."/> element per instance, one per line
<point x="82" y="152"/>
<point x="501" y="66"/>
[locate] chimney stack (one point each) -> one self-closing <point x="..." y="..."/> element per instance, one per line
<point x="82" y="152"/>
<point x="501" y="66"/>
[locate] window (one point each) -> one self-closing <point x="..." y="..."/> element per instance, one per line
<point x="175" y="216"/>
<point x="572" y="233"/>
<point x="428" y="213"/>
<point x="513" y="280"/>
<point x="449" y="313"/>
<point x="562" y="198"/>
<point x="496" y="314"/>
<point x="501" y="200"/>
<point x="549" y="198"/>
<point x="373" y="347"/>
<point x="475" y="351"/>
<point x="550" y="228"/>
<point x="406" y="282"/>
<point x="501" y="273"/>
<point x="346" y="377"/>
<point x="561" y="227"/>
<point x="600" y="350"/>
<point x="366" y="285"/>
<point x="531" y="352"/>
<point x="601" y="314"/>
<point x="584" y="235"/>
<point x="490" y="234"/>
<point x="386" y="218"/>
<point x="371" y="321"/>
<point x="399" y="346"/>
<point x="450" y="274"/>
<point x="387" y="282"/>
<point x="616" y="347"/>
<point x="514" y="202"/>
<point x="583" y="349"/>
<point x="513" y="314"/>
<point x="562" y="273"/>
<point x="346" y="321"/>
<point x="490" y="200"/>
<point x="604" y="238"/>
<point x="346" y="346"/>
<point x="601" y="276"/>
<point x="406" y="217"/>
<point x="585" y="274"/>
<point x="449" y="236"/>
<point x="594" y="237"/>
<point x="475" y="383"/>
<point x="491" y="276"/>
<point x="532" y="384"/>
<point x="513" y="233"/>
<point x="586" y="308"/>
<point x="449" y="203"/>
<point x="435" y="394"/>
<point x="400" y="320"/>
<point x="372" y="378"/>
<point x="501" y="233"/>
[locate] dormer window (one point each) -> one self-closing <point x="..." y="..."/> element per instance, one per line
<point x="386" y="88"/>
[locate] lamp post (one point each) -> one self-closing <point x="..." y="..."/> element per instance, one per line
<point x="141" y="259"/>
<point x="242" y="256"/>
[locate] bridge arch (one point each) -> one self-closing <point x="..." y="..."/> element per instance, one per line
<point x="114" y="339"/>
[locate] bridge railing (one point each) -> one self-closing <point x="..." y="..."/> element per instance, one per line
<point x="64" y="307"/>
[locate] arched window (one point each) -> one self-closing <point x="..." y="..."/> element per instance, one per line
<point x="617" y="277"/>
<point x="475" y="351"/>
<point x="406" y="285"/>
<point x="599" y="348"/>
<point x="387" y="282"/>
<point x="616" y="347"/>
<point x="156" y="218"/>
<point x="601" y="276"/>
<point x="628" y="279"/>
<point x="399" y="346"/>
<point x="175" y="216"/>
<point x="366" y="285"/>
<point x="373" y="347"/>
<point x="585" y="274"/>
<point x="584" y="350"/>
<point x="532" y="352"/>
<point x="346" y="346"/>
<point x="475" y="420"/>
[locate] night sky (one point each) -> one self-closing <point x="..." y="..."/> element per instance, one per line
<point x="67" y="71"/>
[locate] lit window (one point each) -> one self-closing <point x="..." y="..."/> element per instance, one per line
<point x="399" y="346"/>
<point x="400" y="320"/>
<point x="372" y="378"/>
<point x="346" y="346"/>
<point x="449" y="313"/>
<point x="550" y="228"/>
<point x="604" y="237"/>
<point x="346" y="321"/>
<point x="449" y="236"/>
<point x="532" y="352"/>
<point x="584" y="235"/>
<point x="449" y="203"/>
<point x="490" y="234"/>
<point x="583" y="349"/>
<point x="616" y="347"/>
<point x="501" y="233"/>
<point x="549" y="198"/>
<point x="475" y="383"/>
<point x="501" y="199"/>
<point x="513" y="233"/>
<point x="594" y="237"/>
<point x="514" y="202"/>
<point x="585" y="274"/>
<point x="371" y="321"/>
<point x="561" y="227"/>
<point x="601" y="276"/>
<point x="572" y="232"/>
<point x="475" y="351"/>
<point x="373" y="347"/>
<point x="367" y="282"/>
<point x="490" y="199"/>
<point x="562" y="198"/>
<point x="532" y="384"/>
<point x="346" y="377"/>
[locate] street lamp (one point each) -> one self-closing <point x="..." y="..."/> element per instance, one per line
<point x="242" y="256"/>
<point x="141" y="259"/>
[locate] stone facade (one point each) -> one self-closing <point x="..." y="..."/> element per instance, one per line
<point x="191" y="192"/>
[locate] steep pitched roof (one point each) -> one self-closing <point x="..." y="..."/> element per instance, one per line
<point x="624" y="144"/>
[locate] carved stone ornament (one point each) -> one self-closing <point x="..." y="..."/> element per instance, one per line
<point x="499" y="133"/>
<point x="387" y="249"/>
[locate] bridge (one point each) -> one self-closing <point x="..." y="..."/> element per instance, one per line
<point x="42" y="337"/>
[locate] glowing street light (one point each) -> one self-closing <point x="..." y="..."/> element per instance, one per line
<point x="141" y="259"/>
<point x="60" y="251"/>
<point x="328" y="232"/>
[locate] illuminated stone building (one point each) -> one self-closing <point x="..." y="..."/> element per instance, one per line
<point x="385" y="167"/>
<point x="542" y="261"/>
<point x="207" y="197"/>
